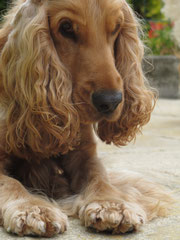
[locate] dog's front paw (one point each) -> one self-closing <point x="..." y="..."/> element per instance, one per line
<point x="40" y="220"/>
<point x="114" y="217"/>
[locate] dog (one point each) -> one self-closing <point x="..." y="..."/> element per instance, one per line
<point x="69" y="68"/>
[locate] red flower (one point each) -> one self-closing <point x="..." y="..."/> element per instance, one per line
<point x="155" y="27"/>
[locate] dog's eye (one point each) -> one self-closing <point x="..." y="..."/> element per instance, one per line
<point x="66" y="29"/>
<point x="116" y="29"/>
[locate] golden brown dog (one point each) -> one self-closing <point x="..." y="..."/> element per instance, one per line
<point x="68" y="67"/>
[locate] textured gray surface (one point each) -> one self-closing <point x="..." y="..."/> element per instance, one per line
<point x="163" y="74"/>
<point x="156" y="154"/>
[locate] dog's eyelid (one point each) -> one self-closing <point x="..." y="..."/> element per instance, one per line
<point x="116" y="29"/>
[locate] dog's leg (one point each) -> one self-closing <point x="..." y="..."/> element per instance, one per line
<point x="117" y="203"/>
<point x="25" y="214"/>
<point x="105" y="207"/>
<point x="121" y="203"/>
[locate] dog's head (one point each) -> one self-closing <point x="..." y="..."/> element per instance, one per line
<point x="85" y="35"/>
<point x="67" y="62"/>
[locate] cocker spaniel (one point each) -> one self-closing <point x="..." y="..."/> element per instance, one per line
<point x="68" y="68"/>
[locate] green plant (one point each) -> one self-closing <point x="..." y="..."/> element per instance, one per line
<point x="159" y="38"/>
<point x="148" y="9"/>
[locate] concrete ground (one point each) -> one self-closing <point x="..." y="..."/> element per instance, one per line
<point x="156" y="154"/>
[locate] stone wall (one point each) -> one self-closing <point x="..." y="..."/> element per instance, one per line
<point x="162" y="73"/>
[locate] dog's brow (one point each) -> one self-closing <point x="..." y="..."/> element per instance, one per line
<point x="66" y="11"/>
<point x="74" y="15"/>
<point x="72" y="11"/>
<point x="70" y="6"/>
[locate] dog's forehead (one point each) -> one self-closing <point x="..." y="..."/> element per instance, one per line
<point x="89" y="8"/>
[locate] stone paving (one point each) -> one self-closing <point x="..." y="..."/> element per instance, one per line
<point x="156" y="154"/>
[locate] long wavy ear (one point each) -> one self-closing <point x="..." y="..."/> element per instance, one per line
<point x="138" y="97"/>
<point x="35" y="89"/>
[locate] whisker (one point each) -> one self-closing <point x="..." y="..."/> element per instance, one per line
<point x="79" y="103"/>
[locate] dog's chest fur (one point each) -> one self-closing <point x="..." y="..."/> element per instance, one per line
<point x="46" y="177"/>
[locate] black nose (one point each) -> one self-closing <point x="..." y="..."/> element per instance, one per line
<point x="106" y="101"/>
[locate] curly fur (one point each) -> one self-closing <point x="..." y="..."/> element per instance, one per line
<point x="137" y="93"/>
<point x="36" y="106"/>
<point x="46" y="117"/>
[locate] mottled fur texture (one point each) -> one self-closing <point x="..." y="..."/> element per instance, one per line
<point x="47" y="118"/>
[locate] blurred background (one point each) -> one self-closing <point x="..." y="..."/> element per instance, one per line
<point x="161" y="25"/>
<point x="158" y="26"/>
